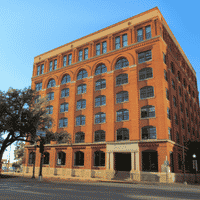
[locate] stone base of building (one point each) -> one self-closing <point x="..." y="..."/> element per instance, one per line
<point x="159" y="177"/>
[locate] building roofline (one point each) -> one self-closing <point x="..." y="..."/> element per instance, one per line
<point x="113" y="25"/>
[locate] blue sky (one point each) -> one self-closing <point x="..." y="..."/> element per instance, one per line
<point x="30" y="28"/>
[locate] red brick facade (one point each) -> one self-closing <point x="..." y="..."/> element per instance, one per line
<point x="160" y="43"/>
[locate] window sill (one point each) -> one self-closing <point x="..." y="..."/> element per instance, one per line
<point x="148" y="118"/>
<point x="123" y="120"/>
<point x="80" y="109"/>
<point x="100" y="106"/>
<point x="81" y="93"/>
<point x="100" y="123"/>
<point x="100" y="89"/>
<point x="63" y="127"/>
<point x="121" y="85"/>
<point x="145" y="61"/>
<point x="148" y="98"/>
<point x="146" y="79"/>
<point x="122" y="102"/>
<point x="79" y="125"/>
<point x="63" y="97"/>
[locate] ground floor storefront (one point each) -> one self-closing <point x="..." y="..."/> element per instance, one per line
<point x="156" y="161"/>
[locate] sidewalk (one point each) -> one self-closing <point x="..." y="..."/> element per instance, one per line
<point x="26" y="178"/>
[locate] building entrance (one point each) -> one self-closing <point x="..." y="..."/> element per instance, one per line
<point x="123" y="161"/>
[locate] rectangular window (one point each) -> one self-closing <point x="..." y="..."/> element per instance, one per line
<point x="124" y="40"/>
<point x="144" y="56"/>
<point x="164" y="58"/>
<point x="117" y="42"/>
<point x="170" y="133"/>
<point x="70" y="59"/>
<point x="174" y="99"/>
<point x="165" y="74"/>
<point x="42" y="69"/>
<point x="86" y="53"/>
<point x="64" y="60"/>
<point x="38" y="86"/>
<point x="140" y="35"/>
<point x="80" y="55"/>
<point x="173" y="84"/>
<point x="168" y="113"/>
<point x="104" y="47"/>
<point x="148" y="32"/>
<point x="167" y="94"/>
<point x="50" y="66"/>
<point x="38" y="70"/>
<point x="98" y="49"/>
<point x="55" y="64"/>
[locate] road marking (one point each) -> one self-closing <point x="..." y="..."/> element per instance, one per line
<point x="154" y="197"/>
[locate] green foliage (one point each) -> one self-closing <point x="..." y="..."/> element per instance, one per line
<point x="21" y="116"/>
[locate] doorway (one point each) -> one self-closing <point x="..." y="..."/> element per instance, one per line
<point x="123" y="161"/>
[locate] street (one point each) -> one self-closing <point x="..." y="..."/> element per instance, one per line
<point x="18" y="188"/>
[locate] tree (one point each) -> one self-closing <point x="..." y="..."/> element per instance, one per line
<point x="21" y="115"/>
<point x="19" y="153"/>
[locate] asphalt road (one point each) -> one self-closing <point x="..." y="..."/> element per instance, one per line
<point x="15" y="188"/>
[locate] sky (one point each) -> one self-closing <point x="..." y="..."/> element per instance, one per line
<point x="30" y="28"/>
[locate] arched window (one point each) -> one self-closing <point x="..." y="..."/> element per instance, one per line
<point x="121" y="63"/>
<point x="66" y="79"/>
<point x="99" y="158"/>
<point x="80" y="120"/>
<point x="122" y="79"/>
<point x="145" y="73"/>
<point x="51" y="83"/>
<point x="122" y="134"/>
<point x="122" y="96"/>
<point x="99" y="136"/>
<point x="81" y="89"/>
<point x="147" y="111"/>
<point x="45" y="159"/>
<point x="79" y="158"/>
<point x="31" y="158"/>
<point x="122" y="115"/>
<point x="146" y="92"/>
<point x="61" y="158"/>
<point x="50" y="96"/>
<point x="80" y="137"/>
<point x="64" y="107"/>
<point x="82" y="74"/>
<point x="100" y="100"/>
<point x="100" y="84"/>
<point x="81" y="104"/>
<point x="100" y="69"/>
<point x="63" y="122"/>
<point x="49" y="109"/>
<point x="100" y="118"/>
<point x="64" y="92"/>
<point x="148" y="132"/>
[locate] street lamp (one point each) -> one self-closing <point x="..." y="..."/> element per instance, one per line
<point x="35" y="145"/>
<point x="41" y="134"/>
<point x="195" y="166"/>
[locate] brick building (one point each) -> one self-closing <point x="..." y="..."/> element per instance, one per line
<point x="128" y="96"/>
